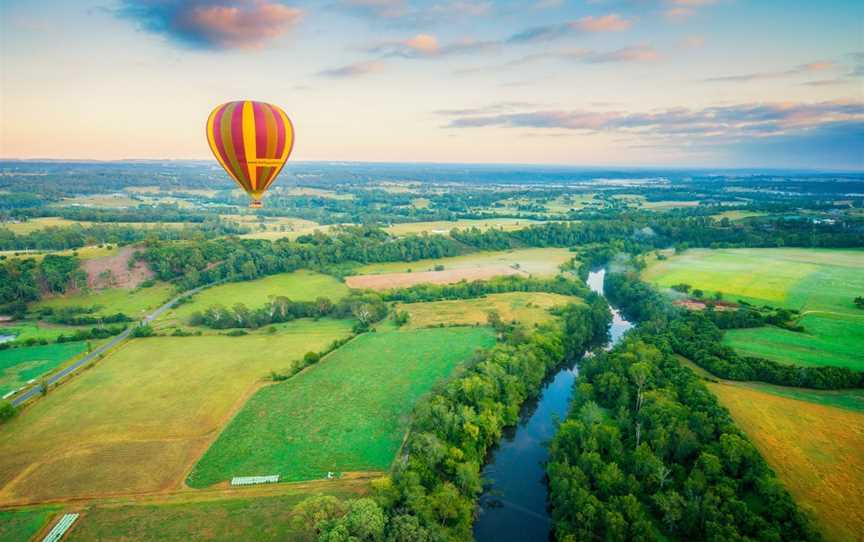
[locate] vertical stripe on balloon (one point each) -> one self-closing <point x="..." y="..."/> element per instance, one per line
<point x="249" y="143"/>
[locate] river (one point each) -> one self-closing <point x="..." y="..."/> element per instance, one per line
<point x="514" y="503"/>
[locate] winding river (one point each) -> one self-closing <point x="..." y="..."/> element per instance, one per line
<point x="514" y="504"/>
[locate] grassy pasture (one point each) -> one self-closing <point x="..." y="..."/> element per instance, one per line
<point x="22" y="525"/>
<point x="737" y="215"/>
<point x="264" y="515"/>
<point x="137" y="420"/>
<point x="134" y="303"/>
<point x="444" y="226"/>
<point x="19" y="365"/>
<point x="24" y="330"/>
<point x="299" y="286"/>
<point x="35" y="224"/>
<point x="814" y="449"/>
<point x="348" y="413"/>
<point x="110" y="201"/>
<point x="529" y="308"/>
<point x="536" y="261"/>
<point x="821" y="283"/>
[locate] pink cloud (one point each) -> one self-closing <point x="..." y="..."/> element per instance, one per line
<point x="607" y="23"/>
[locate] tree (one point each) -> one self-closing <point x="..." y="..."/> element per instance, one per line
<point x="859" y="302"/>
<point x="7" y="411"/>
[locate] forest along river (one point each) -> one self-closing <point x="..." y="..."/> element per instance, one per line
<point x="514" y="504"/>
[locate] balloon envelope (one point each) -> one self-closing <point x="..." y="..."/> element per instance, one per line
<point x="252" y="141"/>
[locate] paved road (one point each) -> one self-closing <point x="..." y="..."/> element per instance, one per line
<point x="35" y="390"/>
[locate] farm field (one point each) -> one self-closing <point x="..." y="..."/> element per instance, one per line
<point x="19" y="365"/>
<point x="814" y="449"/>
<point x="109" y="201"/>
<point x="737" y="215"/>
<point x="133" y="303"/>
<point x="24" y="330"/>
<point x="21" y="525"/>
<point x="535" y="261"/>
<point x="40" y="223"/>
<point x="262" y="517"/>
<point x="529" y="308"/>
<point x="347" y="413"/>
<point x="136" y="421"/>
<point x="818" y="282"/>
<point x="300" y="285"/>
<point x="444" y="227"/>
<point x="386" y="281"/>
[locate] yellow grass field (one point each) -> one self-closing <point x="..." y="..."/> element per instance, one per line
<point x="534" y="261"/>
<point x="114" y="201"/>
<point x="817" y="452"/>
<point x="528" y="308"/>
<point x="444" y="226"/>
<point x="34" y="224"/>
<point x="137" y="420"/>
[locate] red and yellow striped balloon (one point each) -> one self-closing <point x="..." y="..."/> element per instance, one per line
<point x="252" y="141"/>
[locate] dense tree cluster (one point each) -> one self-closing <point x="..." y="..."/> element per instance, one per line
<point x="25" y="280"/>
<point x="367" y="308"/>
<point x="77" y="235"/>
<point x="480" y="288"/>
<point x="647" y="453"/>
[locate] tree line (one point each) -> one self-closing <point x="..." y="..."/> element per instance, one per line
<point x="697" y="337"/>
<point x="366" y="307"/>
<point x="647" y="453"/>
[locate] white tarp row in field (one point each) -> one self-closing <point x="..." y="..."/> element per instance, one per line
<point x="249" y="480"/>
<point x="60" y="529"/>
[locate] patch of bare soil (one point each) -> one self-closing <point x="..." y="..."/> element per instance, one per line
<point x="697" y="305"/>
<point x="115" y="271"/>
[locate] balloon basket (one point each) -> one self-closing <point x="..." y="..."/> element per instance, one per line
<point x="255" y="204"/>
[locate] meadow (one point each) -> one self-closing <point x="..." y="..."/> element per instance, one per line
<point x="39" y="223"/>
<point x="20" y="365"/>
<point x="134" y="303"/>
<point x="814" y="449"/>
<point x="535" y="261"/>
<point x="444" y="227"/>
<point x="821" y="283"/>
<point x="347" y="413"/>
<point x="299" y="286"/>
<point x="137" y="420"/>
<point x="265" y="515"/>
<point x="21" y="525"/>
<point x="528" y="308"/>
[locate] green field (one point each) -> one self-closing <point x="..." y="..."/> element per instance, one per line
<point x="348" y="413"/>
<point x="21" y="525"/>
<point x="444" y="227"/>
<point x="18" y="365"/>
<point x="821" y="283"/>
<point x="536" y="261"/>
<point x="134" y="303"/>
<point x="528" y="308"/>
<point x="35" y="224"/>
<point x="34" y="330"/>
<point x="299" y="286"/>
<point x="137" y="420"/>
<point x="259" y="518"/>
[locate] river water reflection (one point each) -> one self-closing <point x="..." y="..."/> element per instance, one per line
<point x="513" y="506"/>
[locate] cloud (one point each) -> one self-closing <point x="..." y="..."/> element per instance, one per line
<point x="801" y="69"/>
<point x="388" y="9"/>
<point x="213" y="24"/>
<point x="639" y="53"/>
<point x="693" y="42"/>
<point x="353" y="70"/>
<point x="719" y="123"/>
<point x="607" y="23"/>
<point x="427" y="46"/>
<point x="418" y="14"/>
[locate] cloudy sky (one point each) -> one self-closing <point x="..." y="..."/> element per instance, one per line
<point x="738" y="83"/>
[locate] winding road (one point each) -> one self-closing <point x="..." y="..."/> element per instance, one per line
<point x="56" y="377"/>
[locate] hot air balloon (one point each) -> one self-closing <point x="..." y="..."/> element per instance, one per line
<point x="252" y="141"/>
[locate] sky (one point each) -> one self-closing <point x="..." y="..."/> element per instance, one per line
<point x="711" y="83"/>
